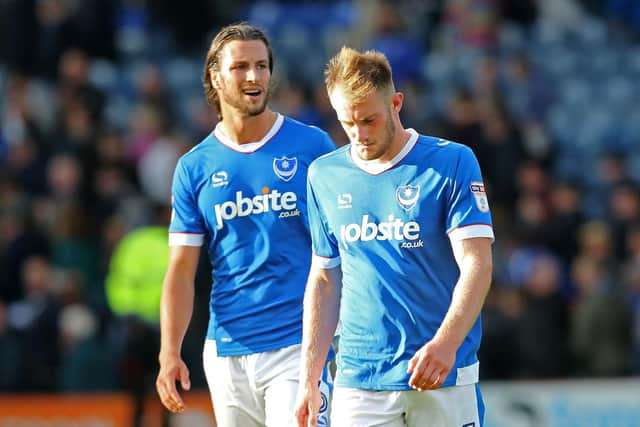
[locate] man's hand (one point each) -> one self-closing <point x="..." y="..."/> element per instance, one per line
<point x="308" y="405"/>
<point x="430" y="365"/>
<point x="172" y="369"/>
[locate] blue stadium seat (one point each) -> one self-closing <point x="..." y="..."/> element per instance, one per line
<point x="104" y="75"/>
<point x="116" y="112"/>
<point x="182" y="74"/>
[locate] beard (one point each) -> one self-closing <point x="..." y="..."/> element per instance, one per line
<point x="383" y="144"/>
<point x="238" y="100"/>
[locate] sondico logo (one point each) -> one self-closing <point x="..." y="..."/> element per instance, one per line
<point x="267" y="201"/>
<point x="393" y="229"/>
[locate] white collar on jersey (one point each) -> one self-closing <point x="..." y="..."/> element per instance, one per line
<point x="249" y="147"/>
<point x="376" y="168"/>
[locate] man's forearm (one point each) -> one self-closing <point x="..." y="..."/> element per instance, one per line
<point x="321" y="308"/>
<point x="176" y="308"/>
<point x="470" y="292"/>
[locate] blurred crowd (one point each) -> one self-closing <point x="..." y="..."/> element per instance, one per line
<point x="99" y="98"/>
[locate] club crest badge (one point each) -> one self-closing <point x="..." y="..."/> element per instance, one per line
<point x="477" y="189"/>
<point x="285" y="167"/>
<point x="407" y="196"/>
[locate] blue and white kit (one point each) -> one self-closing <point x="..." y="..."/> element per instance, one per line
<point x="390" y="226"/>
<point x="247" y="204"/>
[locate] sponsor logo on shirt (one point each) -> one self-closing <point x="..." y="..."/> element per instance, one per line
<point x="285" y="167"/>
<point x="390" y="230"/>
<point x="344" y="201"/>
<point x="268" y="201"/>
<point x="218" y="179"/>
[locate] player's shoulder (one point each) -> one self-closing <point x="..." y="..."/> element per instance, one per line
<point x="337" y="155"/>
<point x="300" y="127"/>
<point x="441" y="144"/>
<point x="332" y="158"/>
<point x="443" y="147"/>
<point x="309" y="138"/>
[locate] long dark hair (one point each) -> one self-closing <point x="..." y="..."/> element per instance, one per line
<point x="240" y="31"/>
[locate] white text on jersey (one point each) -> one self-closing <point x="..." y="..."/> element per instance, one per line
<point x="393" y="229"/>
<point x="262" y="203"/>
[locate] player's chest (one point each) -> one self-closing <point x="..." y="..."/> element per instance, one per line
<point x="263" y="178"/>
<point x="391" y="199"/>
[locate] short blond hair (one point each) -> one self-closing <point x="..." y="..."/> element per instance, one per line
<point x="358" y="74"/>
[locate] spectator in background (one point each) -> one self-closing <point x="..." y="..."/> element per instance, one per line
<point x="543" y="324"/>
<point x="500" y="352"/>
<point x="610" y="171"/>
<point x="631" y="278"/>
<point x="472" y="23"/>
<point x="595" y="242"/>
<point x="463" y="121"/>
<point x="600" y="322"/>
<point x="624" y="213"/>
<point x="500" y="153"/>
<point x="111" y="176"/>
<point x="529" y="97"/>
<point x="18" y="34"/>
<point x="26" y="112"/>
<point x="83" y="349"/>
<point x="11" y="356"/>
<point x="152" y="90"/>
<point x="485" y="79"/>
<point x="402" y="47"/>
<point x="567" y="217"/>
<point x="55" y="32"/>
<point x="19" y="240"/>
<point x="145" y="129"/>
<point x="94" y="22"/>
<point x="35" y="317"/>
<point x="154" y="168"/>
<point x="74" y="86"/>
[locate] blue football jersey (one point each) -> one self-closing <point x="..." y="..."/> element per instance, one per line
<point x="390" y="226"/>
<point x="248" y="205"/>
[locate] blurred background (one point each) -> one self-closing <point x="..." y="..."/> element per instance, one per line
<point x="99" y="98"/>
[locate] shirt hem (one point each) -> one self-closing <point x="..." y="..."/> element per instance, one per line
<point x="256" y="349"/>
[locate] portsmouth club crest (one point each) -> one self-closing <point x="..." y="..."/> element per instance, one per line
<point x="407" y="196"/>
<point x="285" y="167"/>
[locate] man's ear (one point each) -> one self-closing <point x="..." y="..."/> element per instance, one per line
<point x="396" y="101"/>
<point x="213" y="76"/>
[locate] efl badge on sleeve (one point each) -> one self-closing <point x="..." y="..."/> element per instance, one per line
<point x="477" y="189"/>
<point x="285" y="167"/>
<point x="407" y="196"/>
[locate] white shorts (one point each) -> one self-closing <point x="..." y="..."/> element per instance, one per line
<point x="258" y="390"/>
<point x="456" y="406"/>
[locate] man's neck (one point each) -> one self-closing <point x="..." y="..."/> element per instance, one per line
<point x="400" y="140"/>
<point x="244" y="130"/>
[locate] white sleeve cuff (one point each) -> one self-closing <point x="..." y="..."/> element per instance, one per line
<point x="471" y="231"/>
<point x="323" y="262"/>
<point x="186" y="239"/>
